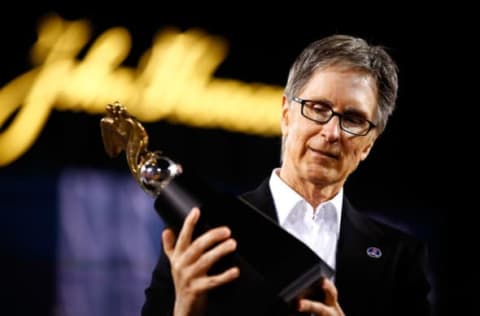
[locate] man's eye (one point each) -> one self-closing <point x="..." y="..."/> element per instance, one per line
<point x="320" y="108"/>
<point x="354" y="119"/>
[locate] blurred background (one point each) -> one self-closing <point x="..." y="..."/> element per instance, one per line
<point x="77" y="234"/>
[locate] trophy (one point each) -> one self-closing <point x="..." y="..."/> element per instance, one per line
<point x="151" y="169"/>
<point x="275" y="267"/>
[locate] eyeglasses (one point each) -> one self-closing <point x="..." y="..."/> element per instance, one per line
<point x="320" y="112"/>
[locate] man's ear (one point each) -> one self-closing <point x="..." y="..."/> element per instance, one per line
<point x="284" y="121"/>
<point x="368" y="147"/>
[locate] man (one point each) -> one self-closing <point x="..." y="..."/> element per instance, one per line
<point x="339" y="95"/>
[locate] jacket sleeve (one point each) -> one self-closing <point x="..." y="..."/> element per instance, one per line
<point x="160" y="294"/>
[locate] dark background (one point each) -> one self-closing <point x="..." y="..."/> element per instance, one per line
<point x="399" y="182"/>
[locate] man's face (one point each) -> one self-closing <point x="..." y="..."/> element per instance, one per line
<point x="323" y="154"/>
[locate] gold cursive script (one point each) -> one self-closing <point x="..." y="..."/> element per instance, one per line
<point x="174" y="81"/>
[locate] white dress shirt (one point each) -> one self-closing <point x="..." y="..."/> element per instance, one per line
<point x="317" y="228"/>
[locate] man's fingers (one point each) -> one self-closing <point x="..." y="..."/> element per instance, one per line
<point x="210" y="282"/>
<point x="331" y="294"/>
<point x="168" y="241"/>
<point x="317" y="308"/>
<point x="182" y="251"/>
<point x="206" y="242"/>
<point x="185" y="235"/>
<point x="330" y="304"/>
<point x="207" y="260"/>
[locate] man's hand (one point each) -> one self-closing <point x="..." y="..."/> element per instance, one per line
<point x="329" y="307"/>
<point x="191" y="260"/>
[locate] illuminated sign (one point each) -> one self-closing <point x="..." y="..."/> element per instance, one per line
<point x="173" y="81"/>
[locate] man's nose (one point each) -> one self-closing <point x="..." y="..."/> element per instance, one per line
<point x="331" y="130"/>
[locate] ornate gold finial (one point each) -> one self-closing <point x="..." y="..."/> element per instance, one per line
<point x="122" y="132"/>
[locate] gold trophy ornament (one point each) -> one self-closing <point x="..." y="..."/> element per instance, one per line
<point x="122" y="132"/>
<point x="152" y="170"/>
<point x="275" y="267"/>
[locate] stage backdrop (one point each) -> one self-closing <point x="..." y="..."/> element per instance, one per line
<point x="108" y="243"/>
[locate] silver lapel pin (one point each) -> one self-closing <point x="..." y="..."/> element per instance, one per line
<point x="374" y="252"/>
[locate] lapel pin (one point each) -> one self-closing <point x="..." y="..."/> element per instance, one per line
<point x="374" y="252"/>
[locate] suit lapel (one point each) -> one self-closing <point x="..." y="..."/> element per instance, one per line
<point x="262" y="199"/>
<point x="359" y="273"/>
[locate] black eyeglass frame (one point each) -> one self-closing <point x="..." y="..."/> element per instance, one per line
<point x="302" y="102"/>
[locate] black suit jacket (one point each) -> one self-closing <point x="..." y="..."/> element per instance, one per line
<point x="393" y="284"/>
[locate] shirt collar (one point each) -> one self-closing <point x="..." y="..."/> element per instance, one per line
<point x="286" y="199"/>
